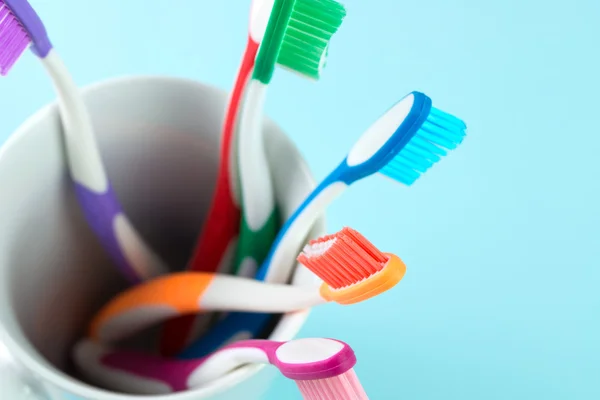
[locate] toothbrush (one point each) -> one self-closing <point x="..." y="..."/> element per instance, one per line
<point x="339" y="260"/>
<point x="353" y="268"/>
<point x="220" y="230"/>
<point x="322" y="368"/>
<point x="217" y="240"/>
<point x="296" y="36"/>
<point x="402" y="144"/>
<point x="21" y="27"/>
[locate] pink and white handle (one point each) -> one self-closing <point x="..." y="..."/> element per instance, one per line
<point x="134" y="372"/>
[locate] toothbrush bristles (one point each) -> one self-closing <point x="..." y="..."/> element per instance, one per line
<point x="439" y="133"/>
<point x="342" y="259"/>
<point x="345" y="386"/>
<point x="305" y="44"/>
<point x="13" y="39"/>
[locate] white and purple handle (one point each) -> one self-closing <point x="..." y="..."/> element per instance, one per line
<point x="137" y="373"/>
<point x="99" y="203"/>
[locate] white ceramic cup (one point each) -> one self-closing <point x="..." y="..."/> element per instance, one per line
<point x="159" y="139"/>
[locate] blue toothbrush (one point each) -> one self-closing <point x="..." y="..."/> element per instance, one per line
<point x="402" y="144"/>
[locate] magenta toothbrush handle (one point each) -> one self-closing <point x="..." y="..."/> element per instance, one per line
<point x="173" y="373"/>
<point x="300" y="360"/>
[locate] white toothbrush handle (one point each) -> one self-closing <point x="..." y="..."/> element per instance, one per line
<point x="256" y="187"/>
<point x="82" y="150"/>
<point x="232" y="293"/>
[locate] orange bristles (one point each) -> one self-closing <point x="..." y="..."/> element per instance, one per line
<point x="351" y="267"/>
<point x="342" y="259"/>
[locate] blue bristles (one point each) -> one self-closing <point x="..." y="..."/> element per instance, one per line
<point x="440" y="132"/>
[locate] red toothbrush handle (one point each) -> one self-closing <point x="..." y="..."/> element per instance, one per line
<point x="223" y="221"/>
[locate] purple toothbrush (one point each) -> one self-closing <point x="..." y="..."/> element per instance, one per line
<point x="20" y="27"/>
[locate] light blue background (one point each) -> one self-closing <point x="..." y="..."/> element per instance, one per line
<point x="501" y="238"/>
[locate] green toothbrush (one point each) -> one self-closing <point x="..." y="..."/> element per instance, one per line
<point x="296" y="37"/>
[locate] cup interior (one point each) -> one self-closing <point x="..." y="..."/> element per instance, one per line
<point x="159" y="140"/>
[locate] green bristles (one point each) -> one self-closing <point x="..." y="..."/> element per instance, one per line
<point x="297" y="37"/>
<point x="306" y="40"/>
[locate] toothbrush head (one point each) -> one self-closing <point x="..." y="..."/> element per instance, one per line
<point x="322" y="368"/>
<point x="306" y="41"/>
<point x="406" y="140"/>
<point x="352" y="268"/>
<point x="313" y="358"/>
<point x="20" y="26"/>
<point x="297" y="37"/>
<point x="437" y="134"/>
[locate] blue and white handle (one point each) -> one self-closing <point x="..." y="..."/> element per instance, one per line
<point x="372" y="152"/>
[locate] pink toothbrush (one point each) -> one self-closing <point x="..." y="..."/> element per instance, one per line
<point x="322" y="368"/>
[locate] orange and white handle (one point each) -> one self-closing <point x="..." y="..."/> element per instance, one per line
<point x="184" y="293"/>
<point x="187" y="293"/>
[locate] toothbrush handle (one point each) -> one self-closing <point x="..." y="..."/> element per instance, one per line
<point x="231" y="356"/>
<point x="98" y="201"/>
<point x="259" y="215"/>
<point x="140" y="373"/>
<point x="226" y="331"/>
<point x="217" y="239"/>
<point x="105" y="216"/>
<point x="222" y="224"/>
<point x="284" y="250"/>
<point x="220" y="229"/>
<point x="183" y="293"/>
<point x="253" y="246"/>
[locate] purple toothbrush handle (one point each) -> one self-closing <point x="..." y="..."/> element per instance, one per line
<point x="101" y="211"/>
<point x="40" y="43"/>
